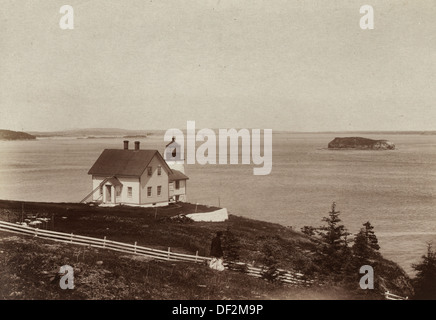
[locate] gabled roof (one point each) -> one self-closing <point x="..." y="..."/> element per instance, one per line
<point x="120" y="162"/>
<point x="177" y="175"/>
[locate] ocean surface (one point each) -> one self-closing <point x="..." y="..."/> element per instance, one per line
<point x="394" y="190"/>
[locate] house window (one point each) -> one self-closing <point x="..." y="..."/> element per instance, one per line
<point x="118" y="190"/>
<point x="148" y="191"/>
<point x="177" y="185"/>
<point x="159" y="170"/>
<point x="159" y="190"/>
<point x="150" y="171"/>
<point x="129" y="192"/>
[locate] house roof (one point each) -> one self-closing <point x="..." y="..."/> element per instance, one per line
<point x="120" y="162"/>
<point x="177" y="175"/>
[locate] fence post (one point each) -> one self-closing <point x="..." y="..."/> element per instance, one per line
<point x="169" y="252"/>
<point x="104" y="242"/>
<point x="196" y="256"/>
<point x="36" y="232"/>
<point x="71" y="237"/>
<point x="135" y="247"/>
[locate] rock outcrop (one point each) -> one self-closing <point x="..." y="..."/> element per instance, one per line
<point x="360" y="143"/>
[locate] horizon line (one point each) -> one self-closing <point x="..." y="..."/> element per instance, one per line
<point x="278" y="130"/>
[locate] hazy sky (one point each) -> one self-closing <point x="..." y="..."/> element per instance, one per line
<point x="285" y="65"/>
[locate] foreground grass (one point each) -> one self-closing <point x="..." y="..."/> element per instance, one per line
<point x="152" y="229"/>
<point x="29" y="270"/>
<point x="25" y="261"/>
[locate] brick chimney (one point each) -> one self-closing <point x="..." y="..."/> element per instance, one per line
<point x="136" y="145"/>
<point x="126" y="144"/>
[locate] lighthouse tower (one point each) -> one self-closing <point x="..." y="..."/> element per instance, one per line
<point x="174" y="156"/>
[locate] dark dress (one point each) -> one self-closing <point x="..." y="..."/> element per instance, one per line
<point x="215" y="248"/>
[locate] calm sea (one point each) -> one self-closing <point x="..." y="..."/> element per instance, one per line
<point x="394" y="190"/>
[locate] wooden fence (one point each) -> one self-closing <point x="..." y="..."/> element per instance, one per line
<point x="391" y="296"/>
<point x="287" y="277"/>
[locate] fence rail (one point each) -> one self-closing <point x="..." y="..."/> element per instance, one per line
<point x="287" y="277"/>
<point x="391" y="296"/>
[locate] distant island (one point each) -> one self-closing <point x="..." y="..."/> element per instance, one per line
<point x="93" y="133"/>
<point x="136" y="136"/>
<point x="15" y="135"/>
<point x="360" y="143"/>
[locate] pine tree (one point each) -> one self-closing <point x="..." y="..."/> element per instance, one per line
<point x="333" y="234"/>
<point x="335" y="251"/>
<point x="308" y="230"/>
<point x="425" y="281"/>
<point x="271" y="255"/>
<point x="372" y="240"/>
<point x="365" y="243"/>
<point x="231" y="248"/>
<point x="360" y="246"/>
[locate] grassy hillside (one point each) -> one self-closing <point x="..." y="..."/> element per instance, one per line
<point x="30" y="271"/>
<point x="294" y="251"/>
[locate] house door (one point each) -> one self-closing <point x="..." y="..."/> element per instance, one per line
<point x="108" y="193"/>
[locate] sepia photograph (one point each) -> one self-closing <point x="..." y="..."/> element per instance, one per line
<point x="217" y="155"/>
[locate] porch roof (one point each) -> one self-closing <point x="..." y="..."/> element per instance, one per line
<point x="177" y="175"/>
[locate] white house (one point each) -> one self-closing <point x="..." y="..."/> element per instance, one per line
<point x="136" y="177"/>
<point x="177" y="186"/>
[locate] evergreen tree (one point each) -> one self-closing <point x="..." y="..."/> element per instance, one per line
<point x="360" y="246"/>
<point x="271" y="254"/>
<point x="335" y="251"/>
<point x="425" y="281"/>
<point x="334" y="234"/>
<point x="231" y="248"/>
<point x="366" y="243"/>
<point x="372" y="240"/>
<point x="308" y="230"/>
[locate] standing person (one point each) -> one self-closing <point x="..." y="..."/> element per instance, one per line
<point x="217" y="253"/>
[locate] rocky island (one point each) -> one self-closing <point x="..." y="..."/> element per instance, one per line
<point x="15" y="135"/>
<point x="360" y="143"/>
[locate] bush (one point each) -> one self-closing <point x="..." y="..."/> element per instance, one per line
<point x="425" y="281"/>
<point x="232" y="248"/>
<point x="271" y="254"/>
